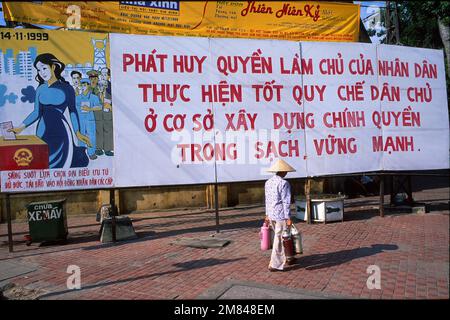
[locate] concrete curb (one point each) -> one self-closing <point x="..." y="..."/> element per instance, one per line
<point x="236" y="289"/>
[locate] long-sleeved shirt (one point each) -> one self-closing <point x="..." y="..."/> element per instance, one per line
<point x="278" y="198"/>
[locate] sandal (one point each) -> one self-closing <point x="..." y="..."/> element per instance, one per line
<point x="274" y="270"/>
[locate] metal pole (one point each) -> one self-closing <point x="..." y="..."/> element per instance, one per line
<point x="216" y="204"/>
<point x="8" y="217"/>
<point x="112" y="200"/>
<point x="381" y="196"/>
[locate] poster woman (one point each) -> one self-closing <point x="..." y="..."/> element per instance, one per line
<point x="53" y="96"/>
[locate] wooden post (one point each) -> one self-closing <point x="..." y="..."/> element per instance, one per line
<point x="216" y="204"/>
<point x="208" y="196"/>
<point x="308" y="200"/>
<point x="8" y="217"/>
<point x="381" y="208"/>
<point x="112" y="201"/>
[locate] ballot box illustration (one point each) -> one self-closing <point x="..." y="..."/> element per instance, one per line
<point x="23" y="153"/>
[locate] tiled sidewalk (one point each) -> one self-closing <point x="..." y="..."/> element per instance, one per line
<point x="412" y="251"/>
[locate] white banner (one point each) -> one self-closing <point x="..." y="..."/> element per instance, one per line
<point x="193" y="110"/>
<point x="340" y="142"/>
<point x="414" y="116"/>
<point x="56" y="179"/>
<point x="265" y="122"/>
<point x="198" y="110"/>
<point x="157" y="88"/>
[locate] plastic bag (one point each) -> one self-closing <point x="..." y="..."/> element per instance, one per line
<point x="104" y="212"/>
<point x="297" y="239"/>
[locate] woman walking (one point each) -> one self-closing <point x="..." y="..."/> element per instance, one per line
<point x="278" y="203"/>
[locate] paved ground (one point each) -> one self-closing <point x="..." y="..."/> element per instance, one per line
<point x="412" y="251"/>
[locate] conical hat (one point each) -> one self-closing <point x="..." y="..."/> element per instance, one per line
<point x="280" y="166"/>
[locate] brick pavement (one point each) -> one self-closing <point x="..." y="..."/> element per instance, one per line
<point x="412" y="251"/>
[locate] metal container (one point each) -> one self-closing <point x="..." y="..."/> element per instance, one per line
<point x="264" y="236"/>
<point x="47" y="221"/>
<point x="297" y="240"/>
<point x="288" y="246"/>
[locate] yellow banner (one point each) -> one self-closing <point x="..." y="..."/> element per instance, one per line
<point x="91" y="48"/>
<point x="285" y="20"/>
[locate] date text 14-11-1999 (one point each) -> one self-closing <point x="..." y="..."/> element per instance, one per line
<point x="30" y="36"/>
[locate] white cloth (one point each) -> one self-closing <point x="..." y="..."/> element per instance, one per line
<point x="278" y="257"/>
<point x="278" y="198"/>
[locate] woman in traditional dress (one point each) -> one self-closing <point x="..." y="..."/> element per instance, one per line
<point x="53" y="96"/>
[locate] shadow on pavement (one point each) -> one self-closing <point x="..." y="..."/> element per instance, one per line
<point x="90" y="236"/>
<point x="364" y="214"/>
<point x="326" y="260"/>
<point x="72" y="239"/>
<point x="152" y="235"/>
<point x="441" y="206"/>
<point x="201" y="219"/>
<point x="182" y="266"/>
<point x="439" y="180"/>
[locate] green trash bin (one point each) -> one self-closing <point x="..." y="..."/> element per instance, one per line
<point x="47" y="221"/>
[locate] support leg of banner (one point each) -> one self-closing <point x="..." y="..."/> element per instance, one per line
<point x="381" y="196"/>
<point x="216" y="205"/>
<point x="8" y="217"/>
<point x="308" y="200"/>
<point x="402" y="184"/>
<point x="208" y="196"/>
<point x="112" y="201"/>
<point x="410" y="199"/>
<point x="392" y="198"/>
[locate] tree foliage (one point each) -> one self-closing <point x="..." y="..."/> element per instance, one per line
<point x="419" y="22"/>
<point x="419" y="27"/>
